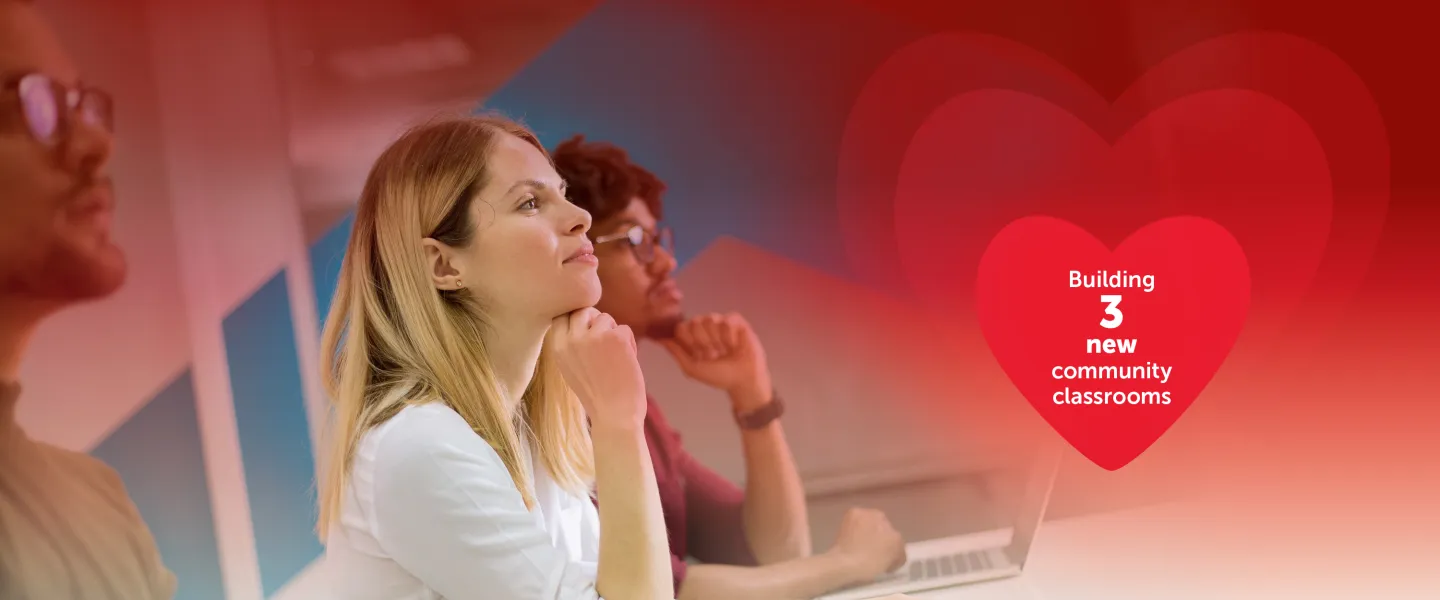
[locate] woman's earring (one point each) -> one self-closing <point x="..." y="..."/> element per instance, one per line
<point x="459" y="284"/>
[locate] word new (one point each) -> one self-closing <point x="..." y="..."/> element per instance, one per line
<point x="1110" y="346"/>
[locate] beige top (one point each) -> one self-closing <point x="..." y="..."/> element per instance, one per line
<point x="67" y="527"/>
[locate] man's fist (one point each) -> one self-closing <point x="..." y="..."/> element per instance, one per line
<point x="721" y="351"/>
<point x="869" y="543"/>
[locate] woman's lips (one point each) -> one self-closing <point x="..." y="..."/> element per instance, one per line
<point x="583" y="255"/>
<point x="582" y="259"/>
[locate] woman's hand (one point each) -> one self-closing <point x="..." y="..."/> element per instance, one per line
<point x="598" y="359"/>
<point x="599" y="362"/>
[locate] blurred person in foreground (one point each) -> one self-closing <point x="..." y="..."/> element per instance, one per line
<point x="752" y="543"/>
<point x="69" y="528"/>
<point x="464" y="356"/>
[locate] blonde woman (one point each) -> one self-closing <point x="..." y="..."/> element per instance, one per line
<point x="463" y="362"/>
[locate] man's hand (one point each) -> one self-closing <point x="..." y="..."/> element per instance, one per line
<point x="869" y="543"/>
<point x="721" y="351"/>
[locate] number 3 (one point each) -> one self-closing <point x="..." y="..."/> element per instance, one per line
<point x="1112" y="311"/>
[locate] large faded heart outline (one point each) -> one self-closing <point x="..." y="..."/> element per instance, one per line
<point x="1305" y="77"/>
<point x="1224" y="155"/>
<point x="919" y="80"/>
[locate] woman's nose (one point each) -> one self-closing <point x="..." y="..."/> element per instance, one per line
<point x="581" y="222"/>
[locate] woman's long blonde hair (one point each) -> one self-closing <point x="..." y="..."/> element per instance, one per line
<point x="393" y="339"/>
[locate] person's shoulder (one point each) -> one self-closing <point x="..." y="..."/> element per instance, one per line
<point x="424" y="420"/>
<point x="423" y="435"/>
<point x="426" y="460"/>
<point x="82" y="466"/>
<point x="105" y="485"/>
<point x="100" y="479"/>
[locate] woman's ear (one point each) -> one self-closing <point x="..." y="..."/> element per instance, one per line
<point x="445" y="265"/>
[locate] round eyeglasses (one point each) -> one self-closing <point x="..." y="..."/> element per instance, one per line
<point x="48" y="107"/>
<point x="642" y="241"/>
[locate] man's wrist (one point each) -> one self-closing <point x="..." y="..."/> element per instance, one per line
<point x="844" y="565"/>
<point x="762" y="416"/>
<point x="750" y="398"/>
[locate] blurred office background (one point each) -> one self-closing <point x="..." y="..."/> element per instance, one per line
<point x="245" y="131"/>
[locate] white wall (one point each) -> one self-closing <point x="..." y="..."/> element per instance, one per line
<point x="227" y="145"/>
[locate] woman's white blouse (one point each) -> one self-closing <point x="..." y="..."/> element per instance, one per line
<point x="430" y="512"/>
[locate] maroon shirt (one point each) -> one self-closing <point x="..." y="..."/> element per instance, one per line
<point x="703" y="510"/>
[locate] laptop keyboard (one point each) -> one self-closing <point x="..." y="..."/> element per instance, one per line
<point x="941" y="566"/>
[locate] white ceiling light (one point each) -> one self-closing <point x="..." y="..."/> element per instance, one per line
<point x="422" y="55"/>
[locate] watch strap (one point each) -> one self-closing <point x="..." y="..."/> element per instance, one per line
<point x="762" y="416"/>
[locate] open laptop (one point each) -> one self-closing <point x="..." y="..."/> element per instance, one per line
<point x="973" y="557"/>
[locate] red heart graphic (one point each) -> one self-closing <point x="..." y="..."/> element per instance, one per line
<point x="1112" y="348"/>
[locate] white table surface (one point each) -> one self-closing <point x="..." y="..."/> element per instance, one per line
<point x="1183" y="551"/>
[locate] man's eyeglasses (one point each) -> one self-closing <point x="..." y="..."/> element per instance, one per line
<point x="642" y="242"/>
<point x="49" y="107"/>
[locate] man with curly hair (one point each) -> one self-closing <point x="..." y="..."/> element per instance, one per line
<point x="753" y="542"/>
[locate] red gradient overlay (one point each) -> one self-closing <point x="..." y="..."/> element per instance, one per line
<point x="1315" y="455"/>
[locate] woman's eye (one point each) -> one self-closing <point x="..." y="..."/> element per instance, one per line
<point x="529" y="204"/>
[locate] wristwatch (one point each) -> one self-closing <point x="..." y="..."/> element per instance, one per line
<point x="760" y="417"/>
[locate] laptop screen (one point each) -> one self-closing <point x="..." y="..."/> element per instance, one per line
<point x="1030" y="511"/>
